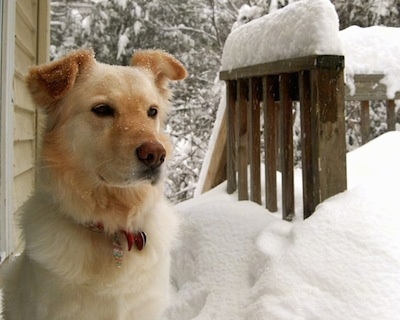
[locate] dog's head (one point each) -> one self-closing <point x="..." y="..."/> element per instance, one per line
<point x="104" y="121"/>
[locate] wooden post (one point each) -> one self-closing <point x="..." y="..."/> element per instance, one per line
<point x="241" y="129"/>
<point x="254" y="141"/>
<point x="310" y="198"/>
<point x="286" y="147"/>
<point x="231" y="141"/>
<point x="270" y="146"/>
<point x="364" y="122"/>
<point x="328" y="132"/>
<point x="390" y="115"/>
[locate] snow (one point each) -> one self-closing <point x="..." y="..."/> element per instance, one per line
<point x="123" y="41"/>
<point x="373" y="50"/>
<point x="237" y="261"/>
<point x="247" y="13"/>
<point x="311" y="27"/>
<point x="300" y="29"/>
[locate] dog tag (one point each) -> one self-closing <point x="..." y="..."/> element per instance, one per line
<point x="140" y="240"/>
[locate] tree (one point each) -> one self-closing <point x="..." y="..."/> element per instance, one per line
<point x="194" y="31"/>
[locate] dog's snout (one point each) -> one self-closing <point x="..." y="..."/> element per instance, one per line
<point x="152" y="154"/>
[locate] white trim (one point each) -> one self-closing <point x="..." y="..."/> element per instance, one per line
<point x="7" y="128"/>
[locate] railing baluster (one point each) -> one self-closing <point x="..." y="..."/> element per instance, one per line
<point x="255" y="146"/>
<point x="390" y="115"/>
<point x="241" y="126"/>
<point x="286" y="147"/>
<point x="231" y="141"/>
<point x="364" y="121"/>
<point x="270" y="129"/>
<point x="309" y="198"/>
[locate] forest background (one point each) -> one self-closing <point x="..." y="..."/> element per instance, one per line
<point x="195" y="31"/>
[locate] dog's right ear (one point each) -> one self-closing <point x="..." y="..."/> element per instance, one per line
<point x="51" y="82"/>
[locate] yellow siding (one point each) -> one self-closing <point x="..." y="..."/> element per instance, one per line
<point x="24" y="111"/>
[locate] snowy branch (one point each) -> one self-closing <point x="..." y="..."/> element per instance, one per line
<point x="184" y="28"/>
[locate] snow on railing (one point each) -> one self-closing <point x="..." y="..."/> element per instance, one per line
<point x="317" y="82"/>
<point x="291" y="54"/>
<point x="372" y="71"/>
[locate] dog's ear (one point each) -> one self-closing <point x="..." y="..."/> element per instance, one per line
<point x="51" y="82"/>
<point x="163" y="65"/>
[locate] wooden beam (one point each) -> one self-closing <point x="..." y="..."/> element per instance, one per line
<point x="286" y="128"/>
<point x="364" y="118"/>
<point x="390" y="115"/>
<point x="285" y="66"/>
<point x="255" y="144"/>
<point x="310" y="196"/>
<point x="328" y="131"/>
<point x="241" y="129"/>
<point x="216" y="172"/>
<point x="231" y="141"/>
<point x="270" y="146"/>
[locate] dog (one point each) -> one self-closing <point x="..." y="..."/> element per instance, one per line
<point x="97" y="229"/>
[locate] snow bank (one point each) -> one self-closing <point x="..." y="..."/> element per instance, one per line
<point x="300" y="29"/>
<point x="373" y="50"/>
<point x="238" y="262"/>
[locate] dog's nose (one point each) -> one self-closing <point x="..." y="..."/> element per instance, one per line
<point x="152" y="154"/>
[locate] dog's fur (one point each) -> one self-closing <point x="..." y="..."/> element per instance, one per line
<point x="89" y="171"/>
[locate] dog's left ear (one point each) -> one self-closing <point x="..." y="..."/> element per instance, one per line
<point x="163" y="65"/>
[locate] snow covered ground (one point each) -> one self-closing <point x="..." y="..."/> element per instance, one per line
<point x="238" y="261"/>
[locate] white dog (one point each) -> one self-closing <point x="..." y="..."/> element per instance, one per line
<point x="97" y="229"/>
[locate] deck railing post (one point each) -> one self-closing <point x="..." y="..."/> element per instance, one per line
<point x="390" y="115"/>
<point x="328" y="132"/>
<point x="231" y="144"/>
<point x="242" y="138"/>
<point x="254" y="139"/>
<point x="364" y="118"/>
<point x="286" y="128"/>
<point x="270" y="145"/>
<point x="310" y="195"/>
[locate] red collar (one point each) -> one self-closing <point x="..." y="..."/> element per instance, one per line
<point x="138" y="238"/>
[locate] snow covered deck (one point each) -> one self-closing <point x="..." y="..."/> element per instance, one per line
<point x="269" y="60"/>
<point x="237" y="261"/>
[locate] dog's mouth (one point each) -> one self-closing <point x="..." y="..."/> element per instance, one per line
<point x="151" y="175"/>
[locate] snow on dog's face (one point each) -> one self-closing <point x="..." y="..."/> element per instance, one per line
<point x="106" y="122"/>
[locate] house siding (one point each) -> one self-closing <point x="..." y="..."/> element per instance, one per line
<point x="24" y="112"/>
<point x="31" y="48"/>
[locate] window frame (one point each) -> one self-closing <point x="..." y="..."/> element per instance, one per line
<point x="7" y="33"/>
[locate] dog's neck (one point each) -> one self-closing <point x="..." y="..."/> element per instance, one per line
<point x="138" y="238"/>
<point x="86" y="201"/>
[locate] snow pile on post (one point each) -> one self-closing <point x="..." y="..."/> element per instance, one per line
<point x="373" y="50"/>
<point x="300" y="29"/>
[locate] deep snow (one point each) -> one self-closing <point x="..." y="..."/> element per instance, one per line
<point x="238" y="261"/>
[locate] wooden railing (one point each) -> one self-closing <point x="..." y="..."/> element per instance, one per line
<point x="369" y="88"/>
<point x="317" y="82"/>
<point x="267" y="92"/>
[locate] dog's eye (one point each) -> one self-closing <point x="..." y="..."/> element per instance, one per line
<point x="103" y="110"/>
<point x="152" y="112"/>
